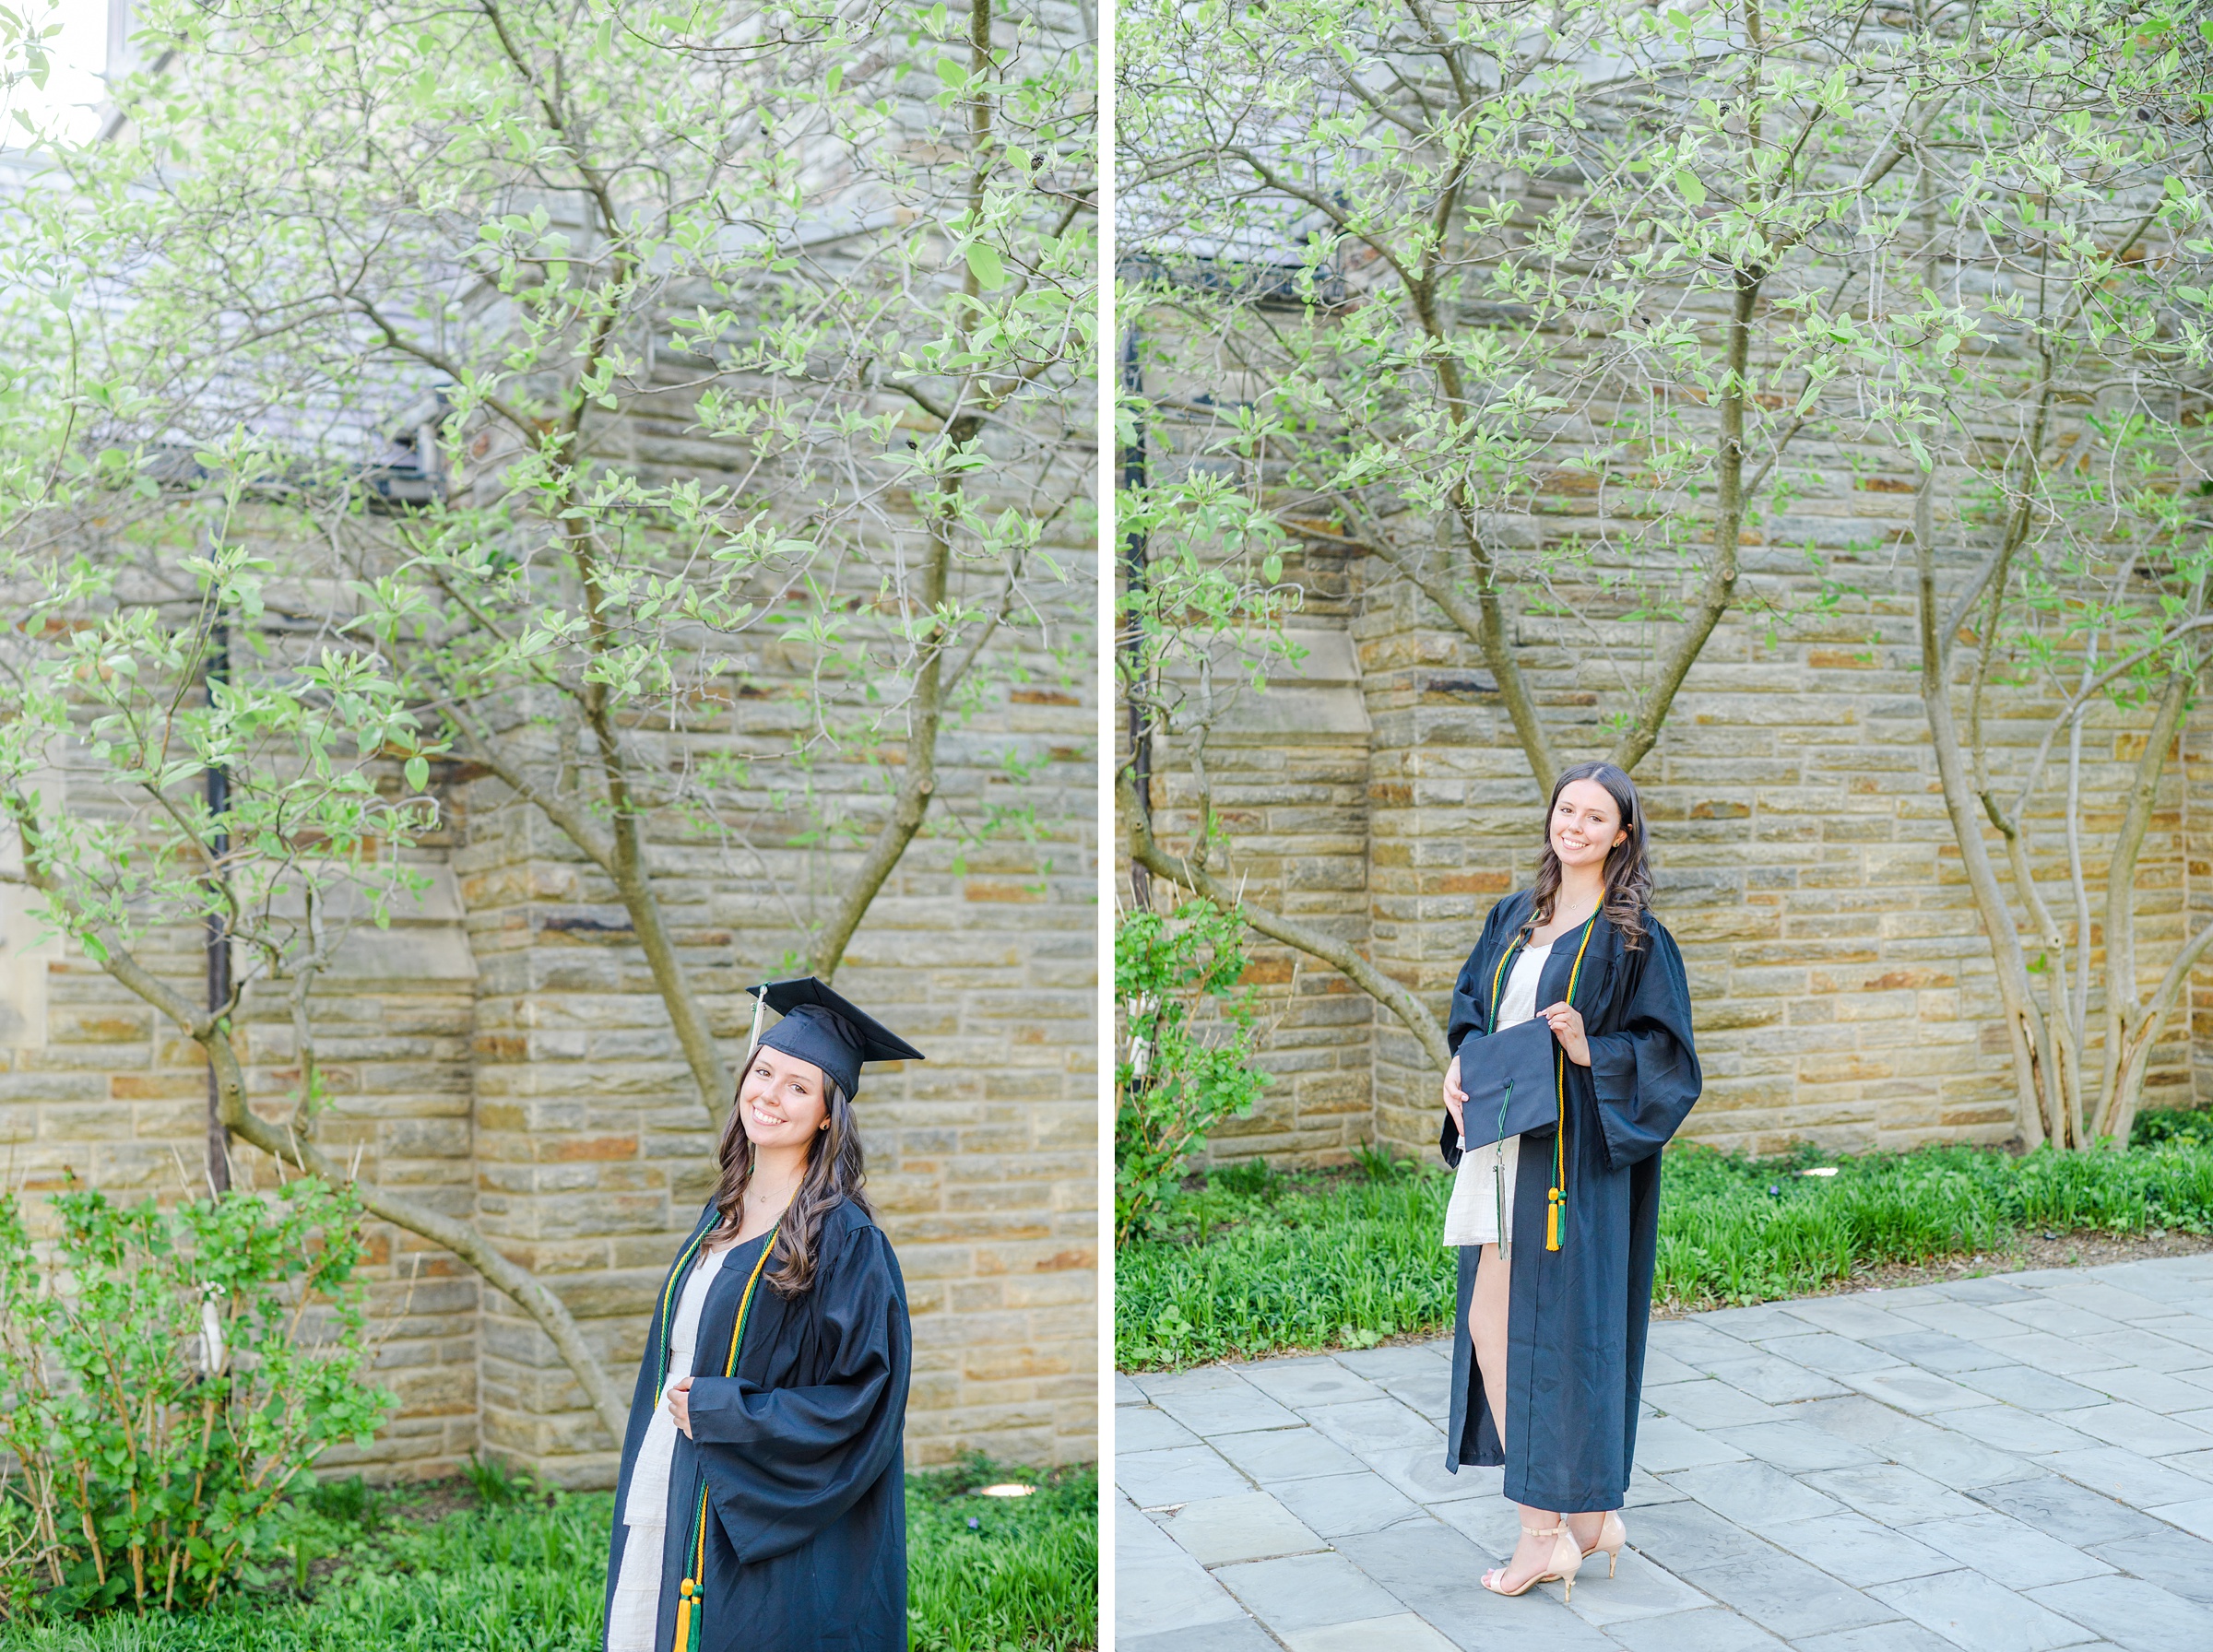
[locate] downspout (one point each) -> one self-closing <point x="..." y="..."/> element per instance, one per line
<point x="217" y="942"/>
<point x="1133" y="576"/>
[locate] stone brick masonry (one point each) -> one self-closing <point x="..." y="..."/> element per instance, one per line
<point x="1844" y="988"/>
<point x="500" y="1052"/>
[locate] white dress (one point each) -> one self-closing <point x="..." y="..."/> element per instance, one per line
<point x="635" y="1610"/>
<point x="1483" y="1191"/>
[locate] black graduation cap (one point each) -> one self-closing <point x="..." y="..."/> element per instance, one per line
<point x="821" y="1027"/>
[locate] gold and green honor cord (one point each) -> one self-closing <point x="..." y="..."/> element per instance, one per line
<point x="1556" y="1201"/>
<point x="691" y="1623"/>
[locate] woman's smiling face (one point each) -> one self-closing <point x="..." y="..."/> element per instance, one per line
<point x="1586" y="824"/>
<point x="783" y="1102"/>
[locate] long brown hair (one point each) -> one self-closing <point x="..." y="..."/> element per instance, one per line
<point x="832" y="1175"/>
<point x="1628" y="874"/>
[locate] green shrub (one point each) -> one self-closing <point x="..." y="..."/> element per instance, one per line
<point x="1381" y="1164"/>
<point x="497" y="1484"/>
<point x="1738" y="1231"/>
<point x="1255" y="1178"/>
<point x="2157" y="1125"/>
<point x="1341" y="1261"/>
<point x="1176" y="1077"/>
<point x="330" y="1517"/>
<point x="166" y="1385"/>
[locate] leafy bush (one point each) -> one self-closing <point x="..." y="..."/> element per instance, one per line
<point x="1347" y="1258"/>
<point x="1256" y="1178"/>
<point x="2164" y="1124"/>
<point x="1735" y="1230"/>
<point x="167" y="1383"/>
<point x="1381" y="1164"/>
<point x="496" y="1483"/>
<point x="1176" y="1077"/>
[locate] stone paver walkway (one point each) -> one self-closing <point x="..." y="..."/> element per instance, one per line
<point x="2003" y="1465"/>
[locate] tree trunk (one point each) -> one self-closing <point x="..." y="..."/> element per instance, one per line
<point x="2128" y="1087"/>
<point x="2121" y="1014"/>
<point x="2024" y="1029"/>
<point x="918" y="783"/>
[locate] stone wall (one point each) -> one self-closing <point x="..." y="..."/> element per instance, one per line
<point x="1843" y="990"/>
<point x="500" y="1052"/>
<point x="594" y="1155"/>
<point x="95" y="1088"/>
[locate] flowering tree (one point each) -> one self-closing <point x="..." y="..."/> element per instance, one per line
<point x="2059" y="361"/>
<point x="669" y="419"/>
<point x="1551" y="311"/>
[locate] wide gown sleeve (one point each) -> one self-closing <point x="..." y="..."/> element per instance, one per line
<point x="783" y="1463"/>
<point x="1646" y="1072"/>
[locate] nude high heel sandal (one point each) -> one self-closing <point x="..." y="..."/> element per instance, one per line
<point x="1566" y="1555"/>
<point x="1612" y="1535"/>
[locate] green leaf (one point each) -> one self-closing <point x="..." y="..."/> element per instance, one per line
<point x="983" y="263"/>
<point x="419" y="774"/>
<point x="1688" y="186"/>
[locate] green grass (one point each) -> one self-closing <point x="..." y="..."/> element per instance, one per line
<point x="988" y="1573"/>
<point x="523" y="1577"/>
<point x="1257" y="1262"/>
<point x="526" y="1573"/>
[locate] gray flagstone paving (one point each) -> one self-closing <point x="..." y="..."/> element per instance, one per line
<point x="1999" y="1464"/>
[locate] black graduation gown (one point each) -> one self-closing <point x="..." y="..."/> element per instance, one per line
<point x="1576" y="1317"/>
<point x="800" y="1450"/>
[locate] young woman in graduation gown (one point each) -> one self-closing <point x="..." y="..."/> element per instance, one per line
<point x="1549" y="1354"/>
<point x="762" y="1499"/>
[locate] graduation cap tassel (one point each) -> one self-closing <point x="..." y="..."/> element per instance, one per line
<point x="683" y="1615"/>
<point x="752" y="1039"/>
<point x="1506" y="1241"/>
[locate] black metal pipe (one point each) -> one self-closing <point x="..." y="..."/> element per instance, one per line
<point x="1133" y="583"/>
<point x="219" y="935"/>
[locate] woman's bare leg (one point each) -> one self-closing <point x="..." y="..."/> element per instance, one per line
<point x="1486" y="1330"/>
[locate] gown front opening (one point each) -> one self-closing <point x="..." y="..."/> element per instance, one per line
<point x="797" y="1455"/>
<point x="645" y="1509"/>
<point x="1482" y="1207"/>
